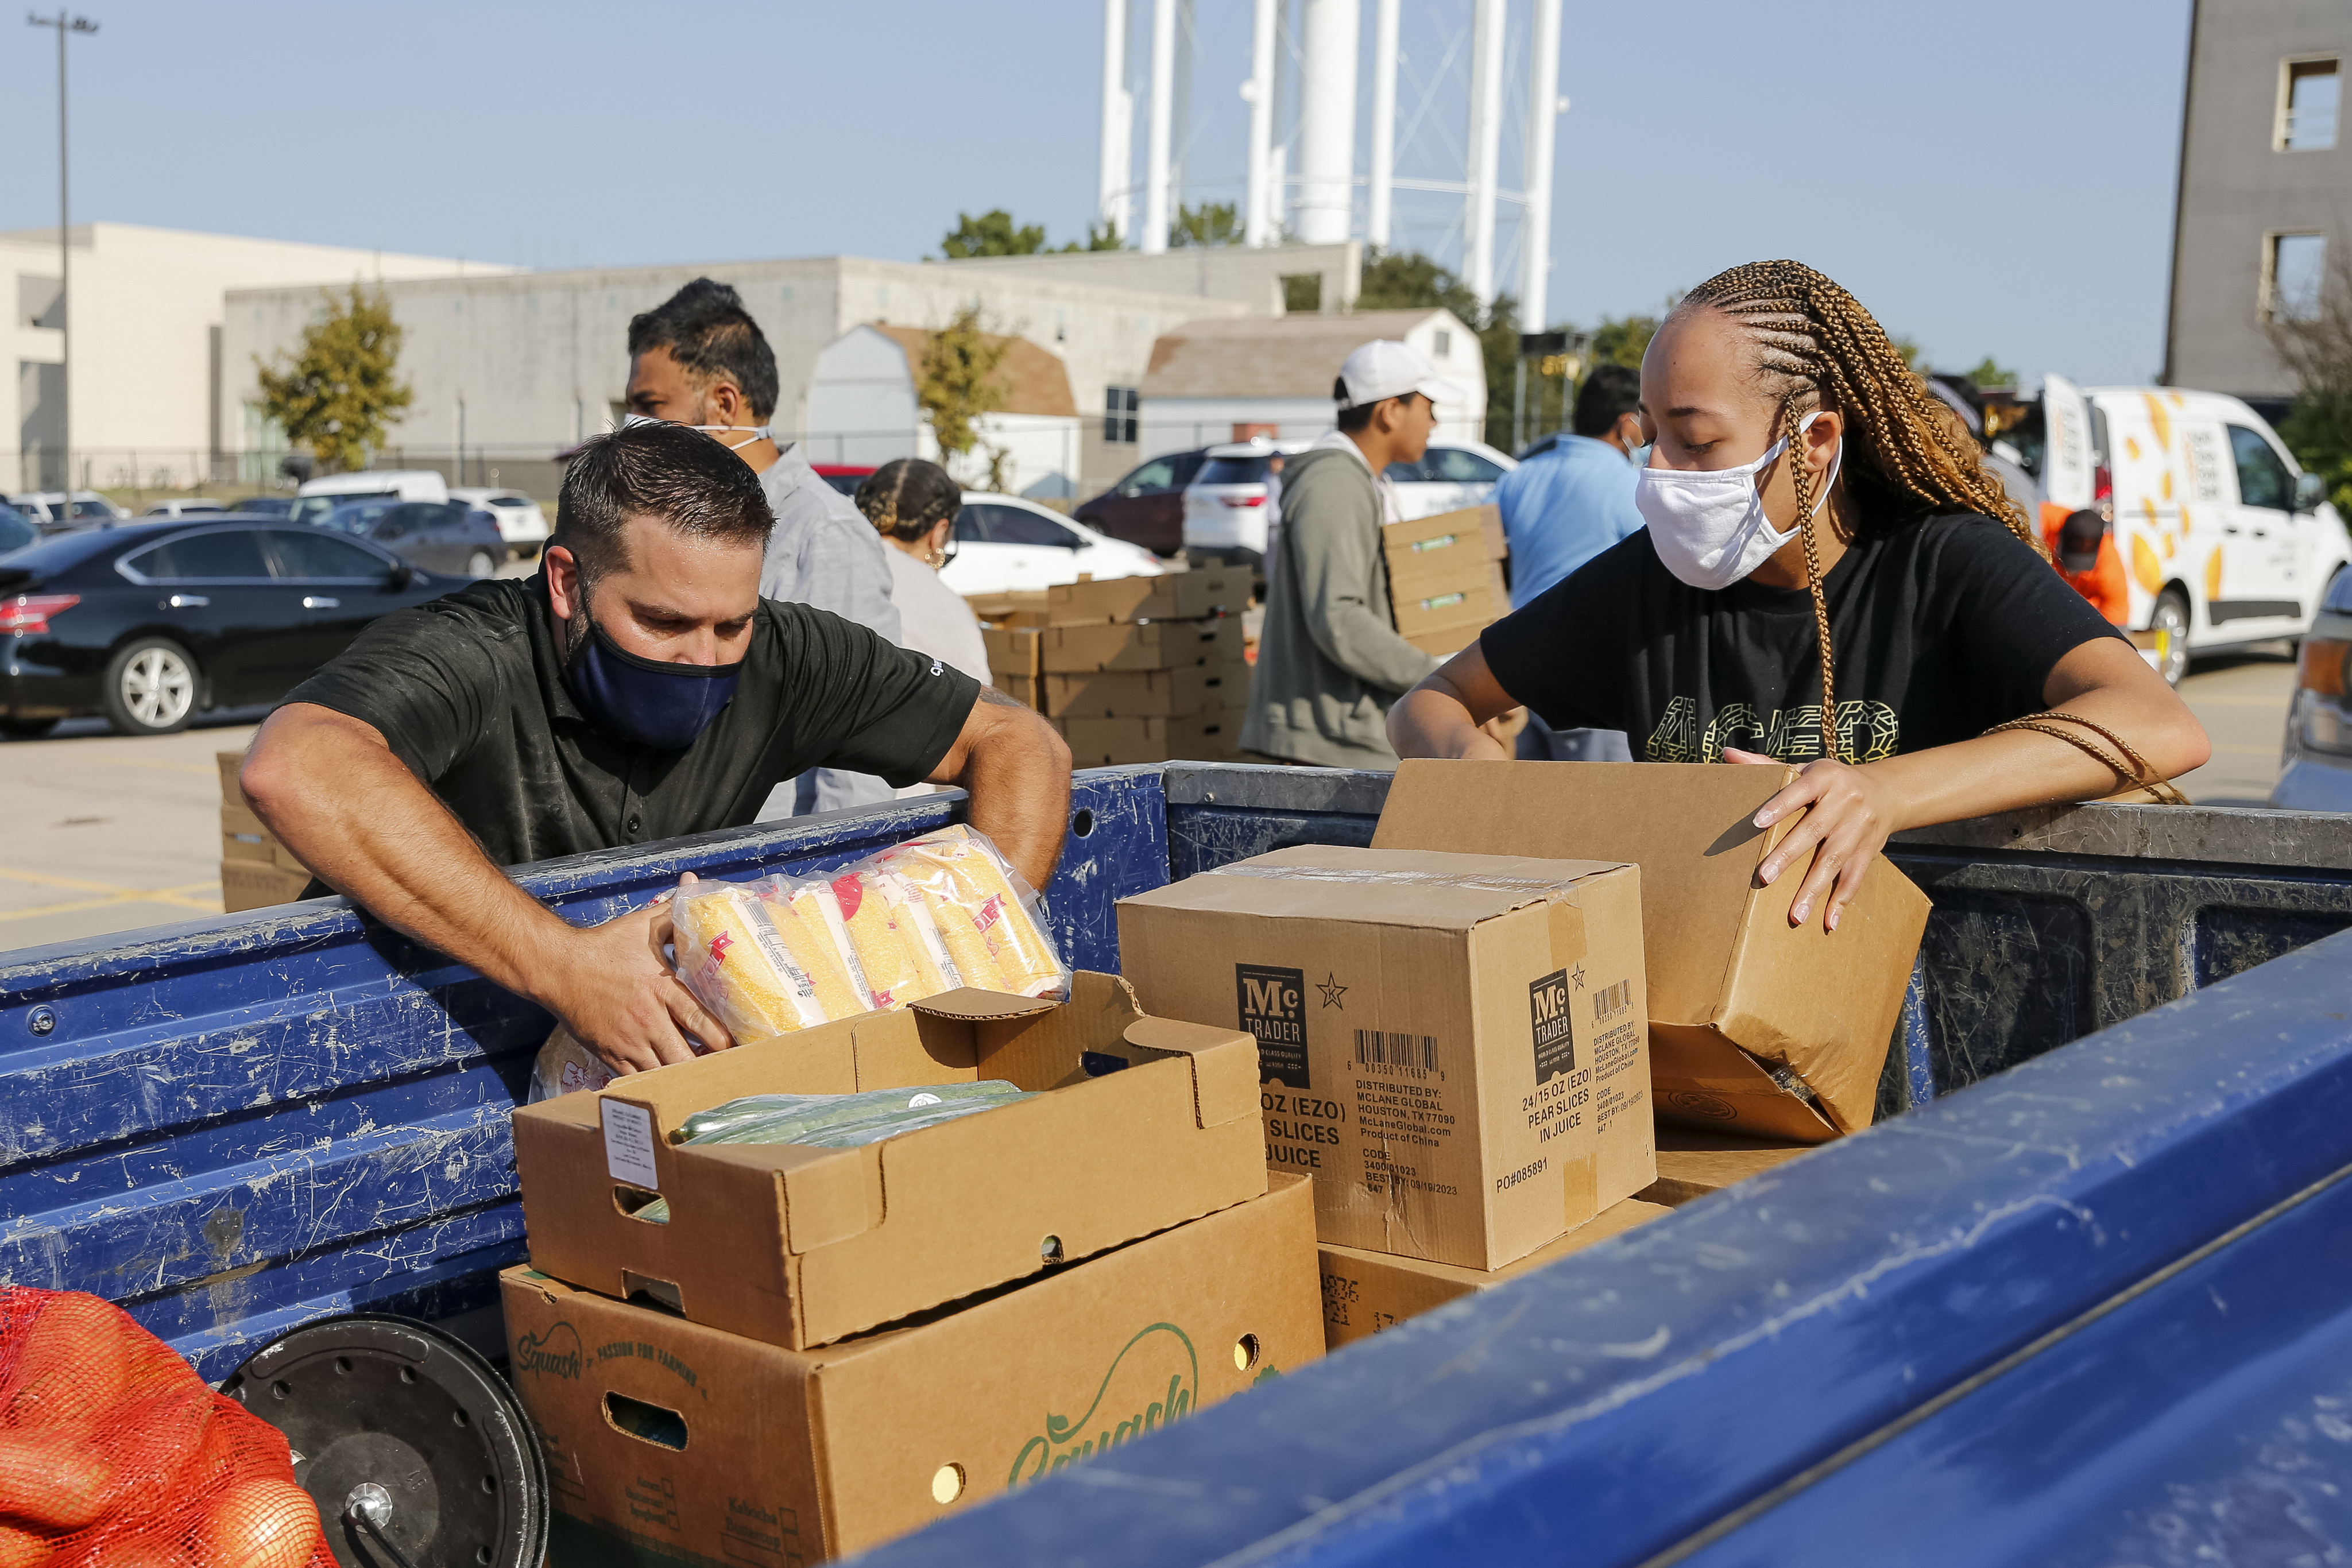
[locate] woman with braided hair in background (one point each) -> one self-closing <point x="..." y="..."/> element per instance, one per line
<point x="1828" y="577"/>
<point x="914" y="505"/>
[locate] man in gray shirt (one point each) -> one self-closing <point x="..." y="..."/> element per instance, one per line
<point x="698" y="359"/>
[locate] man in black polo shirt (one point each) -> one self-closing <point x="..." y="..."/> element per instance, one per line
<point x="638" y="688"/>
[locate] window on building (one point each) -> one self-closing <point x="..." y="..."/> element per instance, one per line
<point x="2294" y="269"/>
<point x="1444" y="343"/>
<point x="1119" y="408"/>
<point x="2309" y="93"/>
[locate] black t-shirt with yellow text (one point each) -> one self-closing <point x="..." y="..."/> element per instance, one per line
<point x="1941" y="628"/>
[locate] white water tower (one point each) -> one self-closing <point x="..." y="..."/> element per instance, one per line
<point x="1307" y="168"/>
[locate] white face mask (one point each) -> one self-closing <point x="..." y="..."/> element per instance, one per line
<point x="755" y="432"/>
<point x="1709" y="528"/>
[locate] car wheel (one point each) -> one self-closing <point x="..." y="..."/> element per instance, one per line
<point x="27" y="728"/>
<point x="479" y="564"/>
<point x="2170" y="622"/>
<point x="151" y="688"/>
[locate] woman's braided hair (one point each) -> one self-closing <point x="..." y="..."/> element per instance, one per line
<point x="1816" y="347"/>
<point x="907" y="497"/>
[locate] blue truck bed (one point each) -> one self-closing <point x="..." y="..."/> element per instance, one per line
<point x="2092" y="1311"/>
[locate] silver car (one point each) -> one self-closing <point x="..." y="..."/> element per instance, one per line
<point x="2317" y="775"/>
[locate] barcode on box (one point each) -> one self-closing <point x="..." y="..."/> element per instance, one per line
<point x="1395" y="1047"/>
<point x="1609" y="1002"/>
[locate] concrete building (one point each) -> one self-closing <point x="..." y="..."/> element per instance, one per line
<point x="2265" y="206"/>
<point x="508" y="371"/>
<point x="1214" y="381"/>
<point x="864" y="411"/>
<point x="147" y="345"/>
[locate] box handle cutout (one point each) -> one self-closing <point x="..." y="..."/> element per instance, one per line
<point x="655" y="1424"/>
<point x="1096" y="1064"/>
<point x="645" y="1207"/>
<point x="1245" y="1353"/>
<point x="1050" y="1250"/>
<point x="637" y="1287"/>
<point x="946" y="1484"/>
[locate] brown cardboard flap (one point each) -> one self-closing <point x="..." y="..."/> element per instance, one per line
<point x="1225" y="1065"/>
<point x="1689" y="828"/>
<point x="1568" y="944"/>
<point x="972" y="1003"/>
<point x="1702" y="1079"/>
<point x="825" y="1194"/>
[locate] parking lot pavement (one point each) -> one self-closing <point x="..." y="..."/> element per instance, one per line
<point x="111" y="833"/>
<point x="2242" y="701"/>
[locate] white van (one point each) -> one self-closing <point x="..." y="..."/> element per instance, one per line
<point x="2224" y="539"/>
<point x="319" y="496"/>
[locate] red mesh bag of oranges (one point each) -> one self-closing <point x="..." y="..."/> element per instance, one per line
<point x="114" y="1454"/>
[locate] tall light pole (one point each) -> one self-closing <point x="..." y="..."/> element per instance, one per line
<point x="65" y="257"/>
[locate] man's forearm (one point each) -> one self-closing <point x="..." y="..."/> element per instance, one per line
<point x="1019" y="781"/>
<point x="334" y="794"/>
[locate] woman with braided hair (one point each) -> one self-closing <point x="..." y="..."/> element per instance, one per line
<point x="914" y="505"/>
<point x="1828" y="575"/>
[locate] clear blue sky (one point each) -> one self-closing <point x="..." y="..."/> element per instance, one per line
<point x="1990" y="178"/>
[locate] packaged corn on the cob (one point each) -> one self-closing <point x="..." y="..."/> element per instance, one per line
<point x="739" y="959"/>
<point x="985" y="915"/>
<point x="899" y="961"/>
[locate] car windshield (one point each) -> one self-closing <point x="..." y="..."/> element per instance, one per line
<point x="1235" y="471"/>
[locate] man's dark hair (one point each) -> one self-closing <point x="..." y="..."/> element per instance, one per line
<point x="1608" y="395"/>
<point x="1360" y="417"/>
<point x="696" y="486"/>
<point x="707" y="330"/>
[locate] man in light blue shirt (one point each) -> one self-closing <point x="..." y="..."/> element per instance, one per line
<point x="1562" y="508"/>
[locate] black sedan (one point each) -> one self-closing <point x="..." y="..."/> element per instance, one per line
<point x="447" y="536"/>
<point x="151" y="624"/>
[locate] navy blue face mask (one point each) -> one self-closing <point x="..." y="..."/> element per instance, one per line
<point x="646" y="701"/>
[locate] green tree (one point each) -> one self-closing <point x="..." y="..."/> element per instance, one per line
<point x="993" y="233"/>
<point x="1623" y="340"/>
<point x="1209" y="223"/>
<point x="1987" y="372"/>
<point x="1913" y="355"/>
<point x="2318" y="351"/>
<point x="1408" y="280"/>
<point x="338" y="395"/>
<point x="958" y="383"/>
<point x="1099" y="237"/>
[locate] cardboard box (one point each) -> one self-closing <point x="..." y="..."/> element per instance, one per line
<point x="229" y="762"/>
<point x="1694" y="1162"/>
<point x="245" y="837"/>
<point x="1439" y="544"/>
<point x="800" y="1245"/>
<point x="1774" y="1030"/>
<point x="1026" y="689"/>
<point x="1364" y="1292"/>
<point x="1017" y="608"/>
<point x="1149" y="693"/>
<point x="1159" y="645"/>
<point x="1193" y="595"/>
<point x="1450" y="1045"/>
<point x="1107" y="742"/>
<point x="1446" y="642"/>
<point x="758" y="1455"/>
<point x="257" y="884"/>
<point x="1464" y="611"/>
<point x="1013" y="650"/>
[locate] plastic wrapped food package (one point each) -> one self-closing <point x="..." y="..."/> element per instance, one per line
<point x="945" y="911"/>
<point x="834" y="1120"/>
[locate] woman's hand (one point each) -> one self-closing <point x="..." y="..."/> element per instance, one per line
<point x="1848" y="813"/>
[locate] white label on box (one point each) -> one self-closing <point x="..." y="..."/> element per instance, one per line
<point x="629" y="1144"/>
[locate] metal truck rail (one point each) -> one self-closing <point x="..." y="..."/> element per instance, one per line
<point x="234" y="1125"/>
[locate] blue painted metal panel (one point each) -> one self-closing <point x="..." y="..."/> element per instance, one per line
<point x="236" y="1125"/>
<point x="2208" y="1420"/>
<point x="1608" y="1407"/>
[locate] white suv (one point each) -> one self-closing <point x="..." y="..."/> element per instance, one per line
<point x="1233" y="505"/>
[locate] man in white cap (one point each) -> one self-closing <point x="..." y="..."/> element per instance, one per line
<point x="1330" y="661"/>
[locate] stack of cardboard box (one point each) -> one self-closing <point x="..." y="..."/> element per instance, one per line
<point x="1446" y="577"/>
<point x="256" y="870"/>
<point x="1132" y="669"/>
<point x="813" y="1349"/>
<point x="1452" y="1048"/>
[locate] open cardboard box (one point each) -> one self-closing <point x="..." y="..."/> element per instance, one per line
<point x="1450" y="1045"/>
<point x="1694" y="1162"/>
<point x="1775" y="1031"/>
<point x="1141" y="1123"/>
<point x="670" y="1442"/>
<point x="1364" y="1292"/>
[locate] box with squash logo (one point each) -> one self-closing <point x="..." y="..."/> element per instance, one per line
<point x="1131" y="1124"/>
<point x="667" y="1441"/>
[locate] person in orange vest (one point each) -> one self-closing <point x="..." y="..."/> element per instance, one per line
<point x="2083" y="549"/>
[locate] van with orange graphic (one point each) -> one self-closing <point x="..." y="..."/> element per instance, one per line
<point x="2225" y="539"/>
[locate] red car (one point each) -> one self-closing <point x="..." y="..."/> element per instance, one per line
<point x="1147" y="505"/>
